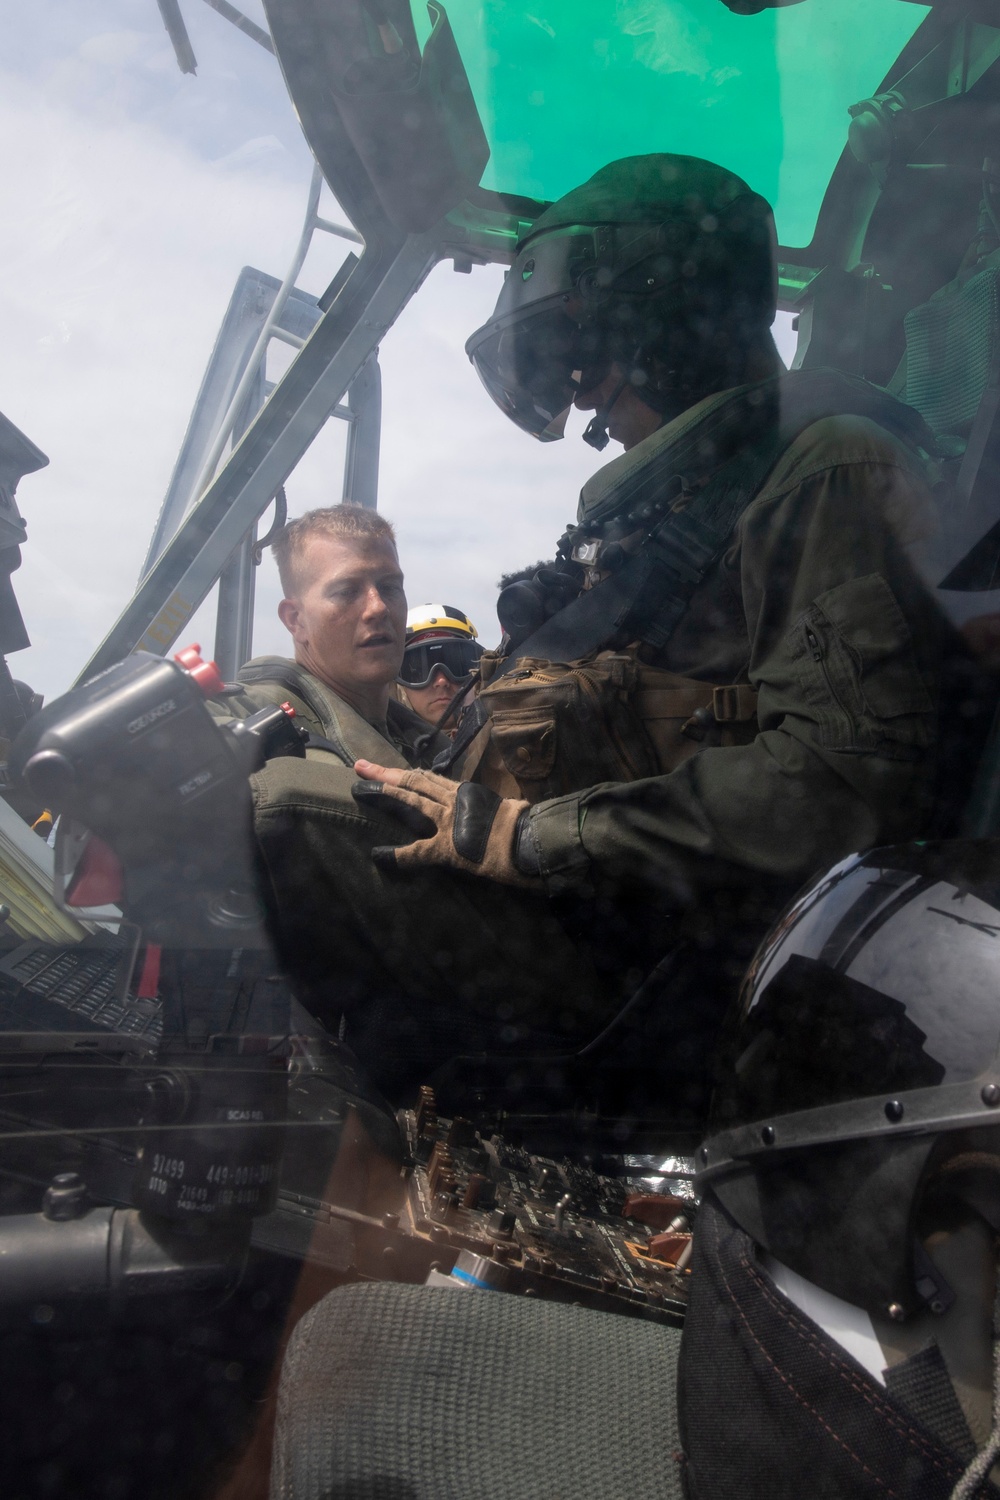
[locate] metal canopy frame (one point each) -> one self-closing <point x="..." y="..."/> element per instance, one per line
<point x="238" y="580"/>
<point x="362" y="303"/>
<point x="366" y="298"/>
<point x="249" y="310"/>
<point x="200" y="534"/>
<point x="373" y="294"/>
<point x="233" y="390"/>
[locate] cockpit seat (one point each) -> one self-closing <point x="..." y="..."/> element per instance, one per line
<point x="950" y="373"/>
<point x="951" y="343"/>
<point x="392" y="1392"/>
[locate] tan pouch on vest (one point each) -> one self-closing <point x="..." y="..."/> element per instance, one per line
<point x="556" y="728"/>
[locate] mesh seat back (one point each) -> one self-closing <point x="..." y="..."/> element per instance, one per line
<point x="392" y="1392"/>
<point x="950" y="341"/>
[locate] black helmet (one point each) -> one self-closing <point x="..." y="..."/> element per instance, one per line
<point x="662" y="264"/>
<point x="865" y="1039"/>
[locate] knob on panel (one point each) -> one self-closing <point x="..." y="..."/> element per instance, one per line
<point x="50" y="775"/>
<point x="205" y="673"/>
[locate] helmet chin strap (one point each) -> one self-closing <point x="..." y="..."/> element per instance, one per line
<point x="596" y="431"/>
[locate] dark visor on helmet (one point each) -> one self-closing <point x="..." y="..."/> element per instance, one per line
<point x="544" y="342"/>
<point x="457" y="659"/>
<point x="529" y="352"/>
<point x="527" y="363"/>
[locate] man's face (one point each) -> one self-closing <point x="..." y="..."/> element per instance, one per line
<point x="348" y="616"/>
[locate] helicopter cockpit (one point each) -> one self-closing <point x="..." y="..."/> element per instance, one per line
<point x="189" y="1159"/>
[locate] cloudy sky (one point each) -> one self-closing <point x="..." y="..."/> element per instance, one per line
<point x="132" y="197"/>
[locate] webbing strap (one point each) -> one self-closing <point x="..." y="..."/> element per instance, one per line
<point x="650" y="592"/>
<point x="922" y="1384"/>
<point x="734" y="703"/>
<point x="318" y="742"/>
<point x="292" y="678"/>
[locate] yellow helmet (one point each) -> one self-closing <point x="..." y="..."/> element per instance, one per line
<point x="438" y="636"/>
<point x="436" y="619"/>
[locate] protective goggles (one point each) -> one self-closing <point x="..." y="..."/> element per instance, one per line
<point x="457" y="660"/>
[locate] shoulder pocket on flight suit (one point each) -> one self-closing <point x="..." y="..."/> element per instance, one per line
<point x="858" y="672"/>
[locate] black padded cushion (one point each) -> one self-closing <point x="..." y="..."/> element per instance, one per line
<point x="394" y="1392"/>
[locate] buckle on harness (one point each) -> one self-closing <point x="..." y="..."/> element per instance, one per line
<point x="734" y="704"/>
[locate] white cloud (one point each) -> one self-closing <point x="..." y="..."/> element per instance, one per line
<point x="119" y="266"/>
<point x="263" y="150"/>
<point x="112" y="49"/>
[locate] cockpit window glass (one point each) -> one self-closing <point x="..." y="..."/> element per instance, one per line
<point x="363" y="949"/>
<point x="565" y="86"/>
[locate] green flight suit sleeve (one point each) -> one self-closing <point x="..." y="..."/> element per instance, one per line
<point x="844" y="650"/>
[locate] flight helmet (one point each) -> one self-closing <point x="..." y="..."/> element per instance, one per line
<point x="860" y="1075"/>
<point x="662" y="265"/>
<point x="438" y="635"/>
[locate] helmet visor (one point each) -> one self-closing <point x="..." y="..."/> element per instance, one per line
<point x="457" y="660"/>
<point x="547" y="338"/>
<point x="530" y="354"/>
<point x="530" y="365"/>
<point x="548" y="266"/>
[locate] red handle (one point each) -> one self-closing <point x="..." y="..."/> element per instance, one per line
<point x="205" y="673"/>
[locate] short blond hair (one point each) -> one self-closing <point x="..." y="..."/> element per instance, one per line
<point x="346" y="523"/>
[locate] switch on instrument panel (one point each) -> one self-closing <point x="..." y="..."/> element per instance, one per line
<point x="485" y="1212"/>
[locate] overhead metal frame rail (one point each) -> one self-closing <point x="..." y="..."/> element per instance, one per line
<point x="246" y="314"/>
<point x="372" y="294"/>
<point x="272" y="328"/>
<point x="170" y="12"/>
<point x="235" y="383"/>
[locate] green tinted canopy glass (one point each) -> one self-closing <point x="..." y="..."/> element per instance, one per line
<point x="564" y="86"/>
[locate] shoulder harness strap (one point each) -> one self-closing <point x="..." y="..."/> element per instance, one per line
<point x="650" y="592"/>
<point x="294" y="679"/>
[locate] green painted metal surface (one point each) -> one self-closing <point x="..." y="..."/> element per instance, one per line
<point x="564" y="86"/>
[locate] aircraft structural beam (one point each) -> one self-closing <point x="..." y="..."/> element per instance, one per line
<point x="367" y="302"/>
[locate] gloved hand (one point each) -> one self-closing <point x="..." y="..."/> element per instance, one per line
<point x="463" y="826"/>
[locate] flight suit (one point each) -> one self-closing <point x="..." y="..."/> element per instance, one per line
<point x="817" y="605"/>
<point x="392" y="964"/>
